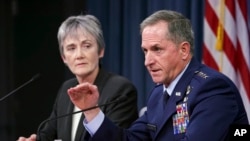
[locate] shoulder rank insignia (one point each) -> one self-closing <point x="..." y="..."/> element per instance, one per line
<point x="202" y="74"/>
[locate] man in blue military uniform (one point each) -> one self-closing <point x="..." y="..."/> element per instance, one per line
<point x="191" y="101"/>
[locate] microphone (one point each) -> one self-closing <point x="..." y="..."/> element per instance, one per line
<point x="23" y="85"/>
<point x="119" y="99"/>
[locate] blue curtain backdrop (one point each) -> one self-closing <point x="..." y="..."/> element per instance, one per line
<point x="120" y="21"/>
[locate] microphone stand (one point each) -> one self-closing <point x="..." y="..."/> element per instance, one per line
<point x="26" y="83"/>
<point x="122" y="98"/>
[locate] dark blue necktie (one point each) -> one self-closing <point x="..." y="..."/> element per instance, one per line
<point x="166" y="96"/>
<point x="165" y="99"/>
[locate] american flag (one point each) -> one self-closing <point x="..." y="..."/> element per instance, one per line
<point x="226" y="43"/>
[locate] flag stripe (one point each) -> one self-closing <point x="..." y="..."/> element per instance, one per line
<point x="233" y="58"/>
<point x="242" y="4"/>
<point x="244" y="72"/>
<point x="243" y="45"/>
<point x="211" y="61"/>
<point x="211" y="16"/>
<point x="230" y="50"/>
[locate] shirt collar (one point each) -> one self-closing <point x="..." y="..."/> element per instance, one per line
<point x="172" y="85"/>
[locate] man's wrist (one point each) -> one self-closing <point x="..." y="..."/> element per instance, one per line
<point x="91" y="114"/>
<point x="93" y="125"/>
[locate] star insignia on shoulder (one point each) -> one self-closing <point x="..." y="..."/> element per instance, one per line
<point x="202" y="74"/>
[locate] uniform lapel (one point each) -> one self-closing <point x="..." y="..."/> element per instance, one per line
<point x="178" y="94"/>
<point x="170" y="109"/>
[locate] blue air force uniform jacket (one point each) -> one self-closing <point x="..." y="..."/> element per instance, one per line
<point x="202" y="107"/>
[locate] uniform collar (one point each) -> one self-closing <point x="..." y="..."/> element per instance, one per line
<point x="172" y="85"/>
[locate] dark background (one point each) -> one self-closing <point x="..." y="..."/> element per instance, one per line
<point x="28" y="45"/>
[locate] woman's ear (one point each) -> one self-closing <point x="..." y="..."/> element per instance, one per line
<point x="63" y="58"/>
<point x="101" y="53"/>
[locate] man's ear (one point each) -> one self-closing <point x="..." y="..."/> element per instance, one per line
<point x="185" y="49"/>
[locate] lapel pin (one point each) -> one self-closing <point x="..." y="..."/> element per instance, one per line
<point x="188" y="89"/>
<point x="178" y="93"/>
<point x="185" y="99"/>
